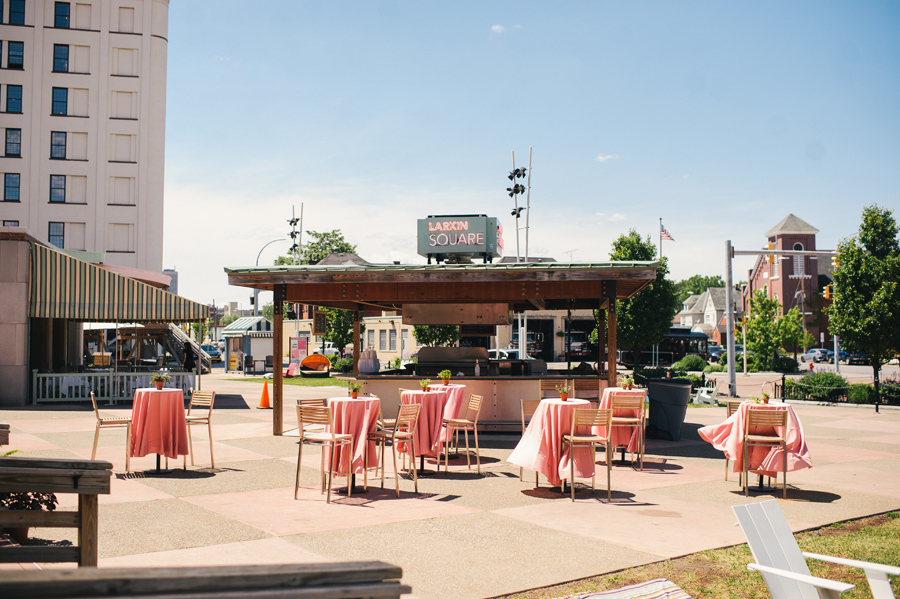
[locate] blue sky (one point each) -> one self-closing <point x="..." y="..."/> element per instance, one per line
<point x="718" y="117"/>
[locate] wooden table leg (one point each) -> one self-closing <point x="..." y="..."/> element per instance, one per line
<point x="88" y="530"/>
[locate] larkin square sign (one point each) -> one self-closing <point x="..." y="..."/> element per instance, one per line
<point x="460" y="238"/>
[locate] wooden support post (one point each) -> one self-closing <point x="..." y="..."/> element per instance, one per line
<point x="280" y="293"/>
<point x="357" y="342"/>
<point x="609" y="288"/>
<point x="88" y="531"/>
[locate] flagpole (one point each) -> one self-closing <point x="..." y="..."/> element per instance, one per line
<point x="660" y="238"/>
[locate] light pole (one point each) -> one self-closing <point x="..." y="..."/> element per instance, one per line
<point x="256" y="291"/>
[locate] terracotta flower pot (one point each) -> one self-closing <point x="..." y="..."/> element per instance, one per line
<point x="354" y="394"/>
<point x="445" y="381"/>
<point x="159" y="384"/>
<point x="564" y="396"/>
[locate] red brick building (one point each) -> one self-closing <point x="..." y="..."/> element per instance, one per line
<point x="794" y="280"/>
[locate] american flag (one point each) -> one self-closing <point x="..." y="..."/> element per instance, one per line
<point x="663" y="234"/>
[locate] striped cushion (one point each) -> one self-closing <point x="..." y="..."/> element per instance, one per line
<point x="655" y="589"/>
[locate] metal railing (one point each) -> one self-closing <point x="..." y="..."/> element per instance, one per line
<point x="109" y="387"/>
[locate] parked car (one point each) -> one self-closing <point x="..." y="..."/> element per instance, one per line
<point x="858" y="358"/>
<point x="818" y="354"/>
<point x="214" y="354"/>
<point x="714" y="351"/>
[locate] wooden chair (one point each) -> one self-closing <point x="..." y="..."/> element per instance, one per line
<point x="469" y="423"/>
<point x="318" y="401"/>
<point x="200" y="399"/>
<point x="114" y="422"/>
<point x="783" y="565"/>
<point x="589" y="418"/>
<point x="548" y="386"/>
<point x="587" y="388"/>
<point x="403" y="432"/>
<point x="766" y="417"/>
<point x="732" y="407"/>
<point x="528" y="406"/>
<point x="635" y="403"/>
<point x="322" y="416"/>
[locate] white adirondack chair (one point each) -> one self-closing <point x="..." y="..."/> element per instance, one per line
<point x="783" y="565"/>
<point x="707" y="394"/>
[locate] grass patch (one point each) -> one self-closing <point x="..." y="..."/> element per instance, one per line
<point x="301" y="381"/>
<point x="723" y="572"/>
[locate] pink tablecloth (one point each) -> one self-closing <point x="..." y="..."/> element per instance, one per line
<point x="431" y="418"/>
<point x="453" y="406"/>
<point x="622" y="436"/>
<point x="540" y="448"/>
<point x="158" y="423"/>
<point x="729" y="437"/>
<point x="357" y="417"/>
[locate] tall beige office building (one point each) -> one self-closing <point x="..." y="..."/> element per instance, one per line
<point x="82" y="120"/>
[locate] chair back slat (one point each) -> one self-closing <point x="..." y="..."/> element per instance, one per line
<point x="319" y="401"/>
<point x="626" y="402"/>
<point x="96" y="409"/>
<point x="732" y="407"/>
<point x="474" y="408"/>
<point x="772" y="544"/>
<point x="408" y="417"/>
<point x="589" y="387"/>
<point x="591" y="417"/>
<point x="313" y="415"/>
<point x="529" y="407"/>
<point x="202" y="399"/>
<point x="766" y="417"/>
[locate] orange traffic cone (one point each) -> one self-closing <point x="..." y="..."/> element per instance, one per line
<point x="264" y="400"/>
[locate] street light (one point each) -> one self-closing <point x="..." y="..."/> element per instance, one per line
<point x="256" y="291"/>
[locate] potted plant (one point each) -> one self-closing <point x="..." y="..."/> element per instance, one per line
<point x="25" y="501"/>
<point x="445" y="376"/>
<point x="160" y="379"/>
<point x="354" y="388"/>
<point x="424" y="384"/>
<point x="628" y="382"/>
<point x="765" y="397"/>
<point x="563" y="392"/>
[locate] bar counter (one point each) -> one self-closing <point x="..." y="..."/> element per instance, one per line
<point x="500" y="410"/>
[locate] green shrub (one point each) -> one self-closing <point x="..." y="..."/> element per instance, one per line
<point x="687" y="363"/>
<point x="786" y="364"/>
<point x="715" y="368"/>
<point x="821" y="386"/>
<point x="738" y="362"/>
<point x="343" y="364"/>
<point x="696" y="380"/>
<point x="861" y="393"/>
<point x="650" y="373"/>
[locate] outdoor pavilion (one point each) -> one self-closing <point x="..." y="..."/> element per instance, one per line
<point x="522" y="286"/>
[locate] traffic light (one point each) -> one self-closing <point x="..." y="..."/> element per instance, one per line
<point x="828" y="291"/>
<point x="835" y="264"/>
<point x="770" y="258"/>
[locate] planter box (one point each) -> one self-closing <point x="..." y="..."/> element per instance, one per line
<point x="669" y="399"/>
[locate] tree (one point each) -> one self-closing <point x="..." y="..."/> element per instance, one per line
<point x="695" y="285"/>
<point x="339" y="328"/>
<point x="763" y="329"/>
<point x="434" y="335"/>
<point x="865" y="310"/>
<point x="227" y="320"/>
<point x="268" y="312"/>
<point x="323" y="244"/>
<point x="790" y="330"/>
<point x="645" y="318"/>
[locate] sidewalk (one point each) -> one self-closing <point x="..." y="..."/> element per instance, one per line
<point x="464" y="536"/>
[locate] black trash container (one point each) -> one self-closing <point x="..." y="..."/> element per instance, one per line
<point x="669" y="399"/>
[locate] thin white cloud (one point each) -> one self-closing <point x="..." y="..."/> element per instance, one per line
<point x="605" y="157"/>
<point x="617" y="217"/>
<point x="497" y="28"/>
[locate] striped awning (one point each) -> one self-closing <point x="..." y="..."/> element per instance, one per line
<point x="64" y="287"/>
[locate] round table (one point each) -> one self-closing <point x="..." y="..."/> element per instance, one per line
<point x="157" y="424"/>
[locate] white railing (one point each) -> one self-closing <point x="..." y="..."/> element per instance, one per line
<point x="109" y="387"/>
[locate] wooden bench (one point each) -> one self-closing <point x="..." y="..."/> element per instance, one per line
<point x="350" y="580"/>
<point x="87" y="478"/>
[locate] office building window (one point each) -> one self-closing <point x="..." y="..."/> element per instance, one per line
<point x="15" y="55"/>
<point x="61" y="58"/>
<point x="371" y="336"/>
<point x="61" y="15"/>
<point x="16" y="12"/>
<point x="60" y="101"/>
<point x="393" y="340"/>
<point x="57" y="234"/>
<point x="13" y="143"/>
<point x="11" y="187"/>
<point x="382" y="340"/>
<point x="58" y="188"/>
<point x="14" y="98"/>
<point x="58" y="144"/>
<point x="10" y="223"/>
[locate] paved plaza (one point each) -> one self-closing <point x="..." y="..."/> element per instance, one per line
<point x="465" y="535"/>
